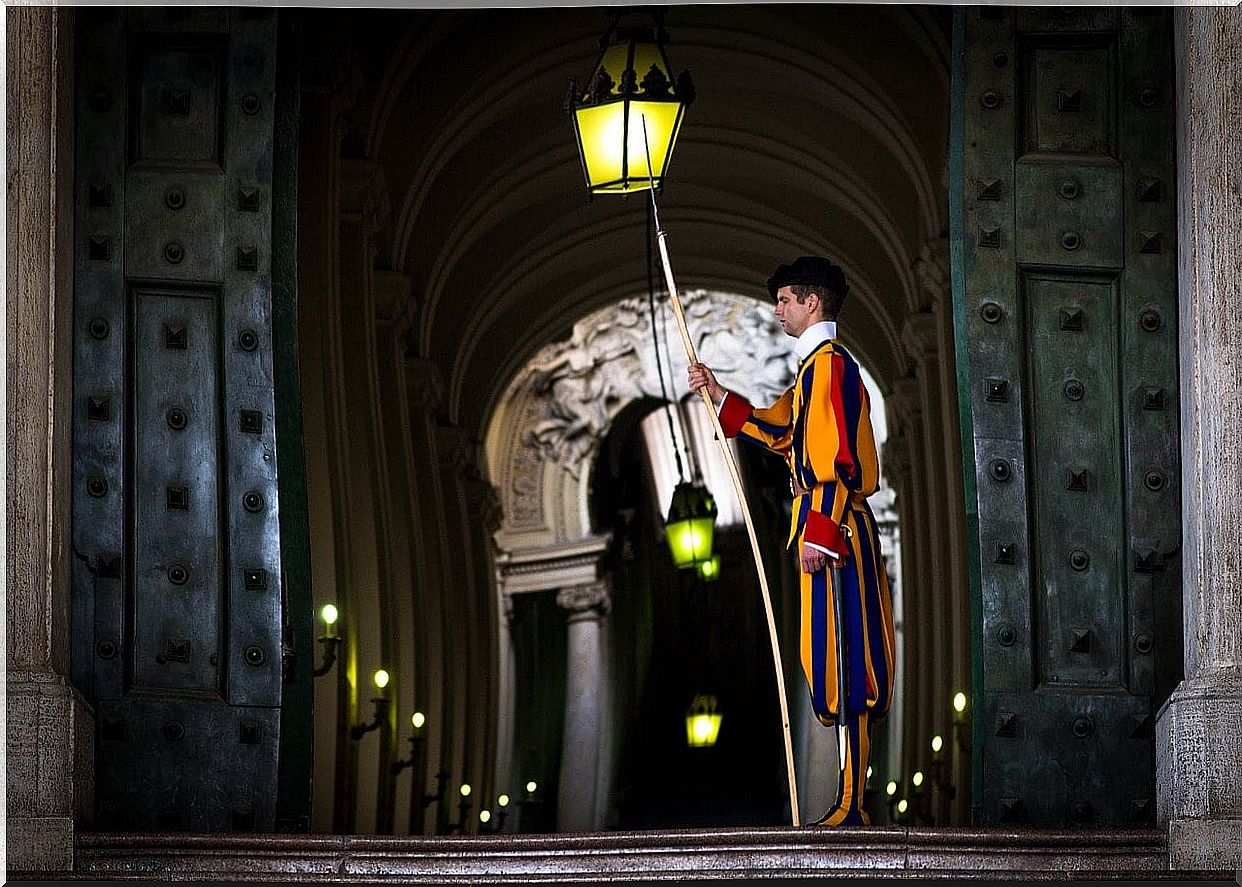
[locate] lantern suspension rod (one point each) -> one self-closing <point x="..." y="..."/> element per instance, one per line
<point x="731" y="464"/>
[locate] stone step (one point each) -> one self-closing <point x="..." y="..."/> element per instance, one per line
<point x="726" y="853"/>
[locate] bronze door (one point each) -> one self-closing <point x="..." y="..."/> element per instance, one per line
<point x="177" y="613"/>
<point x="1065" y="234"/>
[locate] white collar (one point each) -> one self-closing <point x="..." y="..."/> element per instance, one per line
<point x="813" y="336"/>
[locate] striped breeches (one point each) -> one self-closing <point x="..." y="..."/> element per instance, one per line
<point x="869" y="649"/>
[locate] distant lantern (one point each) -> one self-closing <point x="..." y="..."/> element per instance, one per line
<point x="710" y="569"/>
<point x="632" y="83"/>
<point x="690" y="525"/>
<point x="702" y="722"/>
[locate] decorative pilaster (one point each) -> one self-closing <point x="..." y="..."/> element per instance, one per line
<point x="358" y="460"/>
<point x="395" y="310"/>
<point x="934" y="277"/>
<point x="905" y="407"/>
<point x="586" y="607"/>
<point x="1198" y="754"/>
<point x="50" y="743"/>
<point x="437" y="683"/>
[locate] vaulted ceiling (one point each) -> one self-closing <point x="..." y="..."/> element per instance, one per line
<point x="817" y="129"/>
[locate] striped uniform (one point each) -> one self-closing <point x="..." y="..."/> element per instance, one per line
<point x="822" y="428"/>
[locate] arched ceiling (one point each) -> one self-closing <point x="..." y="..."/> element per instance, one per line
<point x="817" y="129"/>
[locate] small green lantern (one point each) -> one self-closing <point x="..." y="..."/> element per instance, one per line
<point x="691" y="525"/>
<point x="709" y="570"/>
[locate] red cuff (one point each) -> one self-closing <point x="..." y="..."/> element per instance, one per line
<point x="734" y="413"/>
<point x="823" y="531"/>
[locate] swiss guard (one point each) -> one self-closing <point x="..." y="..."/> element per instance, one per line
<point x="821" y="427"/>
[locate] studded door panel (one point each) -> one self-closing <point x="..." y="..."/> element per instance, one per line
<point x="177" y="614"/>
<point x="1070" y="295"/>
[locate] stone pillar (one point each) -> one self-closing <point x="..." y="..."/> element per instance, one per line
<point x="360" y="503"/>
<point x="319" y="151"/>
<point x="424" y="392"/>
<point x="906" y="424"/>
<point x="587" y="605"/>
<point x="394" y="313"/>
<point x="896" y="467"/>
<point x="50" y="741"/>
<point x="919" y="335"/>
<point x="483" y="504"/>
<point x="1198" y="750"/>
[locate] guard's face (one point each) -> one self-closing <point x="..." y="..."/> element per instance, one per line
<point x="795" y="316"/>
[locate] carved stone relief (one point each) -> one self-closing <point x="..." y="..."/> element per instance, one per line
<point x="580" y="384"/>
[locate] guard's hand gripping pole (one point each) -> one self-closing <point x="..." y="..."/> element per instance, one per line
<point x="731" y="464"/>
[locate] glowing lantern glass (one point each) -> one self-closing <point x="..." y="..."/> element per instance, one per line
<point x="631" y="82"/>
<point x="709" y="570"/>
<point x="702" y="722"/>
<point x="691" y="525"/>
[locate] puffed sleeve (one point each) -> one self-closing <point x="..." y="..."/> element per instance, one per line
<point x="771" y="427"/>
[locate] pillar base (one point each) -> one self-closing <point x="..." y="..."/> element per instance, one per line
<point x="1199" y="775"/>
<point x="50" y="770"/>
<point x="1205" y="844"/>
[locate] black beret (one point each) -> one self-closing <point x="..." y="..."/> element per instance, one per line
<point x="812" y="271"/>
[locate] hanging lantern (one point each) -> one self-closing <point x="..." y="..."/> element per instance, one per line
<point x="709" y="570"/>
<point x="631" y="82"/>
<point x="702" y="722"/>
<point x="690" y="525"/>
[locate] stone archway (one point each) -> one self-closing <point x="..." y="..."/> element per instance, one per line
<point x="542" y="445"/>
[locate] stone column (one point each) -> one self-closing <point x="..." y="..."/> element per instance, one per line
<point x="360" y="505"/>
<point x="458" y="618"/>
<point x="919" y="334"/>
<point x="587" y="606"/>
<point x="906" y="422"/>
<point x="896" y="466"/>
<point x="424" y="390"/>
<point x="50" y="741"/>
<point x="394" y="313"/>
<point x="319" y="151"/>
<point x="1198" y="750"/>
<point x="483" y="504"/>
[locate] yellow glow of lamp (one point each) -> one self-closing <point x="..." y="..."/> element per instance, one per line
<point x="691" y="525"/>
<point x="381" y="678"/>
<point x="709" y="569"/>
<point x="632" y="81"/>
<point x="702" y="722"/>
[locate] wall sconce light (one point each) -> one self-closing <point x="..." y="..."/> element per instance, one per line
<point x="418" y="743"/>
<point x="382" y="704"/>
<point x="502" y="802"/>
<point x="961" y="721"/>
<point x="463" y="809"/>
<point x="529" y="800"/>
<point x="890" y="798"/>
<point x="329" y="639"/>
<point x="941" y="778"/>
<point x="702" y="722"/>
